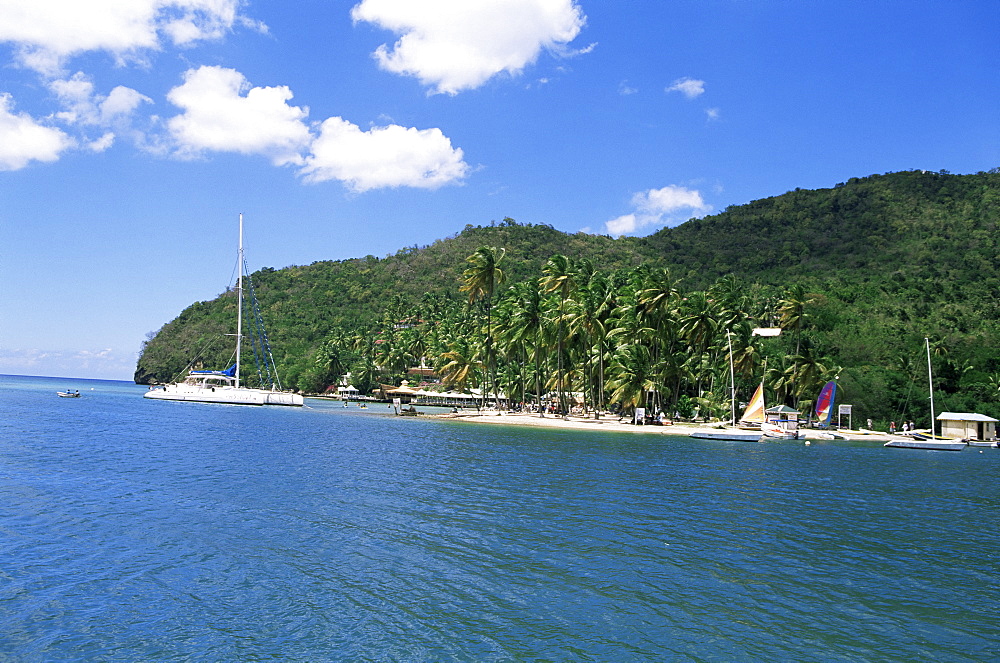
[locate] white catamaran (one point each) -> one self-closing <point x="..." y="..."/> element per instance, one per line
<point x="732" y="433"/>
<point x="931" y="442"/>
<point x="224" y="386"/>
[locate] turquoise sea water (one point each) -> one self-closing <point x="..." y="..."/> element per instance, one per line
<point x="135" y="530"/>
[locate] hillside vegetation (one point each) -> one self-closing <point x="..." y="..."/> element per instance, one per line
<point x="857" y="275"/>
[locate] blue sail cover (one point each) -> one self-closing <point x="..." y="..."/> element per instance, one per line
<point x="229" y="372"/>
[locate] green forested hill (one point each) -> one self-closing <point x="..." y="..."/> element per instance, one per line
<point x="303" y="304"/>
<point x="878" y="263"/>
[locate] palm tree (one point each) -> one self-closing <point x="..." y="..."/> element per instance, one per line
<point x="459" y="364"/>
<point x="699" y="321"/>
<point x="560" y="276"/>
<point x="589" y="319"/>
<point x="631" y="376"/>
<point x="525" y="325"/>
<point x="792" y="311"/>
<point x="480" y="280"/>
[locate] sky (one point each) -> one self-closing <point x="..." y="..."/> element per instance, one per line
<point x="133" y="133"/>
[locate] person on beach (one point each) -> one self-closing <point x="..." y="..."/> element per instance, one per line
<point x="892" y="427"/>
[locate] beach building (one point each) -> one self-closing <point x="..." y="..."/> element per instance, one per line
<point x="347" y="392"/>
<point x="967" y="426"/>
<point x="781" y="414"/>
<point x="422" y="375"/>
<point x="404" y="392"/>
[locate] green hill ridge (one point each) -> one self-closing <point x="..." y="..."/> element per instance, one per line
<point x="878" y="263"/>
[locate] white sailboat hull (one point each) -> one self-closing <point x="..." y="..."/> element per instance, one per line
<point x="931" y="445"/>
<point x="226" y="395"/>
<point x="735" y="435"/>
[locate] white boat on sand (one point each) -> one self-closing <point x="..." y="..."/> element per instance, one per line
<point x="782" y="424"/>
<point x="754" y="408"/>
<point x="782" y="430"/>
<point x="224" y="386"/>
<point x="929" y="441"/>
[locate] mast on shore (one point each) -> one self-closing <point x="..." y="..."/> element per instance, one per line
<point x="239" y="305"/>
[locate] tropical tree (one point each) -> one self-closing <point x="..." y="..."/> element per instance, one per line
<point x="792" y="311"/>
<point x="459" y="365"/>
<point x="631" y="376"/>
<point x="560" y="276"/>
<point x="522" y="335"/>
<point x="589" y="319"/>
<point x="479" y="280"/>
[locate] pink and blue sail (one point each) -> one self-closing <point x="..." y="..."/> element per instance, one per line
<point x="824" y="403"/>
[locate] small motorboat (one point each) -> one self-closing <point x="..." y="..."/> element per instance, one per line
<point x="783" y="430"/>
<point x="69" y="393"/>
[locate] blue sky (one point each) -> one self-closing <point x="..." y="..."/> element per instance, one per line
<point x="134" y="132"/>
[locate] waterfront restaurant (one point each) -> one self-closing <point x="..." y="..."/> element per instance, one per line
<point x="967" y="426"/>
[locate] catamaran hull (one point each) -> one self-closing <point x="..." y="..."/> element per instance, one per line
<point x="228" y="396"/>
<point x="930" y="445"/>
<point x="726" y="435"/>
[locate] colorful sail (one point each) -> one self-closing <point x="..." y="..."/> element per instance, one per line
<point x="824" y="403"/>
<point x="754" y="414"/>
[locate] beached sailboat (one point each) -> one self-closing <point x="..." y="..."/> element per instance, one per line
<point x="733" y="433"/>
<point x="824" y="404"/>
<point x="931" y="441"/>
<point x="224" y="386"/>
<point x="753" y="415"/>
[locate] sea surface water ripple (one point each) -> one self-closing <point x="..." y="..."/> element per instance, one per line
<point x="136" y="530"/>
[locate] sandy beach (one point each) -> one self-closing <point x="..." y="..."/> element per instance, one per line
<point x="611" y="424"/>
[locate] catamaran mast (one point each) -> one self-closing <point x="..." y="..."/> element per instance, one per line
<point x="239" y="307"/>
<point x="930" y="382"/>
<point x="732" y="378"/>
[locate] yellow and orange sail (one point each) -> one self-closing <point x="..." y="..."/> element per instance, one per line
<point x="754" y="414"/>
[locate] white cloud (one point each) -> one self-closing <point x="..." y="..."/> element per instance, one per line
<point x="456" y="45"/>
<point x="107" y="363"/>
<point x="23" y="140"/>
<point x="102" y="143"/>
<point x="83" y="106"/>
<point x="389" y="156"/>
<point x="667" y="206"/>
<point x="223" y="113"/>
<point x="625" y="89"/>
<point x="121" y="102"/>
<point x="689" y="87"/>
<point x="713" y="113"/>
<point x="670" y="199"/>
<point x="46" y="33"/>
<point x="622" y="225"/>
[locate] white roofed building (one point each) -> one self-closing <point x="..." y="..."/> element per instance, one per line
<point x="967" y="425"/>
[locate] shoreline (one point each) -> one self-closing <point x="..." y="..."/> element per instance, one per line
<point x="611" y="424"/>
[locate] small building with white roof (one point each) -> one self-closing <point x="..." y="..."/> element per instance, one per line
<point x="967" y="425"/>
